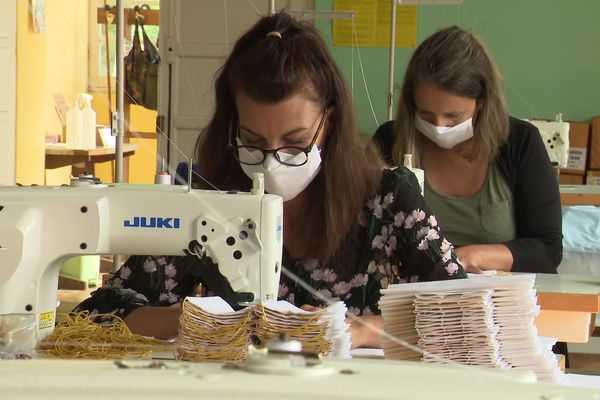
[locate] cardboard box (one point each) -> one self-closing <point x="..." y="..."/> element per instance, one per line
<point x="579" y="136"/>
<point x="594" y="162"/>
<point x="592" y="178"/>
<point x="571" y="179"/>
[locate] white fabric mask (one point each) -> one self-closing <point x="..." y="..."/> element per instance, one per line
<point x="445" y="136"/>
<point x="283" y="180"/>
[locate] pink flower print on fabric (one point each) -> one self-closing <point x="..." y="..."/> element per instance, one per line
<point x="170" y="270"/>
<point x="150" y="266"/>
<point x="388" y="199"/>
<point x="341" y="288"/>
<point x="452" y="268"/>
<point x="125" y="272"/>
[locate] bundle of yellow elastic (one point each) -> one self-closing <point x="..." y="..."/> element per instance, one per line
<point x="78" y="336"/>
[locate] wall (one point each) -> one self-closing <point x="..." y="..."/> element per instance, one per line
<point x="57" y="62"/>
<point x="8" y="96"/>
<point x="142" y="165"/>
<point x="547" y="51"/>
<point x="143" y="133"/>
<point x="31" y="87"/>
<point x="47" y="63"/>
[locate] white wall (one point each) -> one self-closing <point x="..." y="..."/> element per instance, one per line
<point x="8" y="78"/>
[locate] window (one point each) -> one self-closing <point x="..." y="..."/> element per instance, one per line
<point x="97" y="43"/>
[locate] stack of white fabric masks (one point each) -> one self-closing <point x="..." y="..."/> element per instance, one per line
<point x="487" y="321"/>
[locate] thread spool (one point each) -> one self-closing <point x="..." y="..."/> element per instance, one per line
<point x="162" y="179"/>
<point x="84" y="180"/>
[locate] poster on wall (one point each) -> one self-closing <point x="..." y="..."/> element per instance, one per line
<point x="371" y="27"/>
<point x="38" y="13"/>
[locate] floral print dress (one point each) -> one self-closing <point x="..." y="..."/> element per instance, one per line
<point x="394" y="240"/>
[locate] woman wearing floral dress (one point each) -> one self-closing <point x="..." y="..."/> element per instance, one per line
<point x="351" y="228"/>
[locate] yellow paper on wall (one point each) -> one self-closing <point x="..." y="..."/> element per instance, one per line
<point x="372" y="24"/>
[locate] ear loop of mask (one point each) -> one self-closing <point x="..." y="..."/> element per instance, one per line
<point x="320" y="128"/>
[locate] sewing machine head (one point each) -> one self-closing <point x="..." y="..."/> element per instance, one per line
<point x="555" y="135"/>
<point x="41" y="227"/>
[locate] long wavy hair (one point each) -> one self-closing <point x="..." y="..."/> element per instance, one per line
<point x="270" y="69"/>
<point x="455" y="61"/>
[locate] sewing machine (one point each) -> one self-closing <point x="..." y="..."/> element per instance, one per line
<point x="555" y="135"/>
<point x="41" y="227"/>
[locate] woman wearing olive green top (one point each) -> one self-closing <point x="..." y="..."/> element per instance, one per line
<point x="488" y="178"/>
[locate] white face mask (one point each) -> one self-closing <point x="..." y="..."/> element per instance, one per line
<point x="446" y="137"/>
<point x="283" y="180"/>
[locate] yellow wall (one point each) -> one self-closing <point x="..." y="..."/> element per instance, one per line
<point x="57" y="62"/>
<point x="47" y="63"/>
<point x="142" y="165"/>
<point x="31" y="84"/>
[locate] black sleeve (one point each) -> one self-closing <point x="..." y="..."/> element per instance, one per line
<point x="143" y="281"/>
<point x="384" y="140"/>
<point x="406" y="236"/>
<point x="538" y="217"/>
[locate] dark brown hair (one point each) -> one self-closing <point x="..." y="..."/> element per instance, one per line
<point x="271" y="69"/>
<point x="455" y="61"/>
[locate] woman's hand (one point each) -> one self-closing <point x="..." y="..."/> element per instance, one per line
<point x="468" y="257"/>
<point x="366" y="331"/>
<point x="477" y="258"/>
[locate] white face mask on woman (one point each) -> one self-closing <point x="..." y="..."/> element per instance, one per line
<point x="445" y="136"/>
<point x="280" y="179"/>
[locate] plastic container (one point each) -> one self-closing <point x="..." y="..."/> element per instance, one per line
<point x="81" y="124"/>
<point x="74" y="127"/>
<point x="88" y="128"/>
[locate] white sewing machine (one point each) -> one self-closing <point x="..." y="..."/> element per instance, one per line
<point x="555" y="135"/>
<point x="41" y="227"/>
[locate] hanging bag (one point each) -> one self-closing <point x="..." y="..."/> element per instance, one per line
<point x="141" y="69"/>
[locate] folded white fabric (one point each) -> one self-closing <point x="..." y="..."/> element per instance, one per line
<point x="488" y="321"/>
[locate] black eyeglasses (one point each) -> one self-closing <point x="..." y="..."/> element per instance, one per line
<point x="293" y="156"/>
